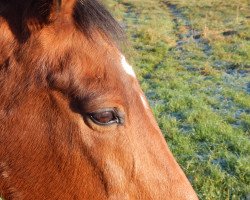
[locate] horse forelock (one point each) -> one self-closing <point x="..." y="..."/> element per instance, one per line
<point x="89" y="14"/>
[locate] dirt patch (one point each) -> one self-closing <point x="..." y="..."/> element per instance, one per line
<point x="190" y="35"/>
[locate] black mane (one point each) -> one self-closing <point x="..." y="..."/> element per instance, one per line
<point x="90" y="14"/>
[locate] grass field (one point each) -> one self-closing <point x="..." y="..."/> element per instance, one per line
<point x="193" y="61"/>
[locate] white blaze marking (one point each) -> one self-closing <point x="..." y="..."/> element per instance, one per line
<point x="4" y="169"/>
<point x="127" y="67"/>
<point x="129" y="70"/>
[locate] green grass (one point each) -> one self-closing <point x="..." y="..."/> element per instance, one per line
<point x="198" y="88"/>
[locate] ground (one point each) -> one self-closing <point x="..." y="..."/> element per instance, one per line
<point x="193" y="61"/>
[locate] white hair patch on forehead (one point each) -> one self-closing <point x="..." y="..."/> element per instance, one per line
<point x="127" y="67"/>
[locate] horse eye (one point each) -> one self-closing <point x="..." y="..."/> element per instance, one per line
<point x="105" y="117"/>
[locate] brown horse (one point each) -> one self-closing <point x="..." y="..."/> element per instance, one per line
<point x="74" y="123"/>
